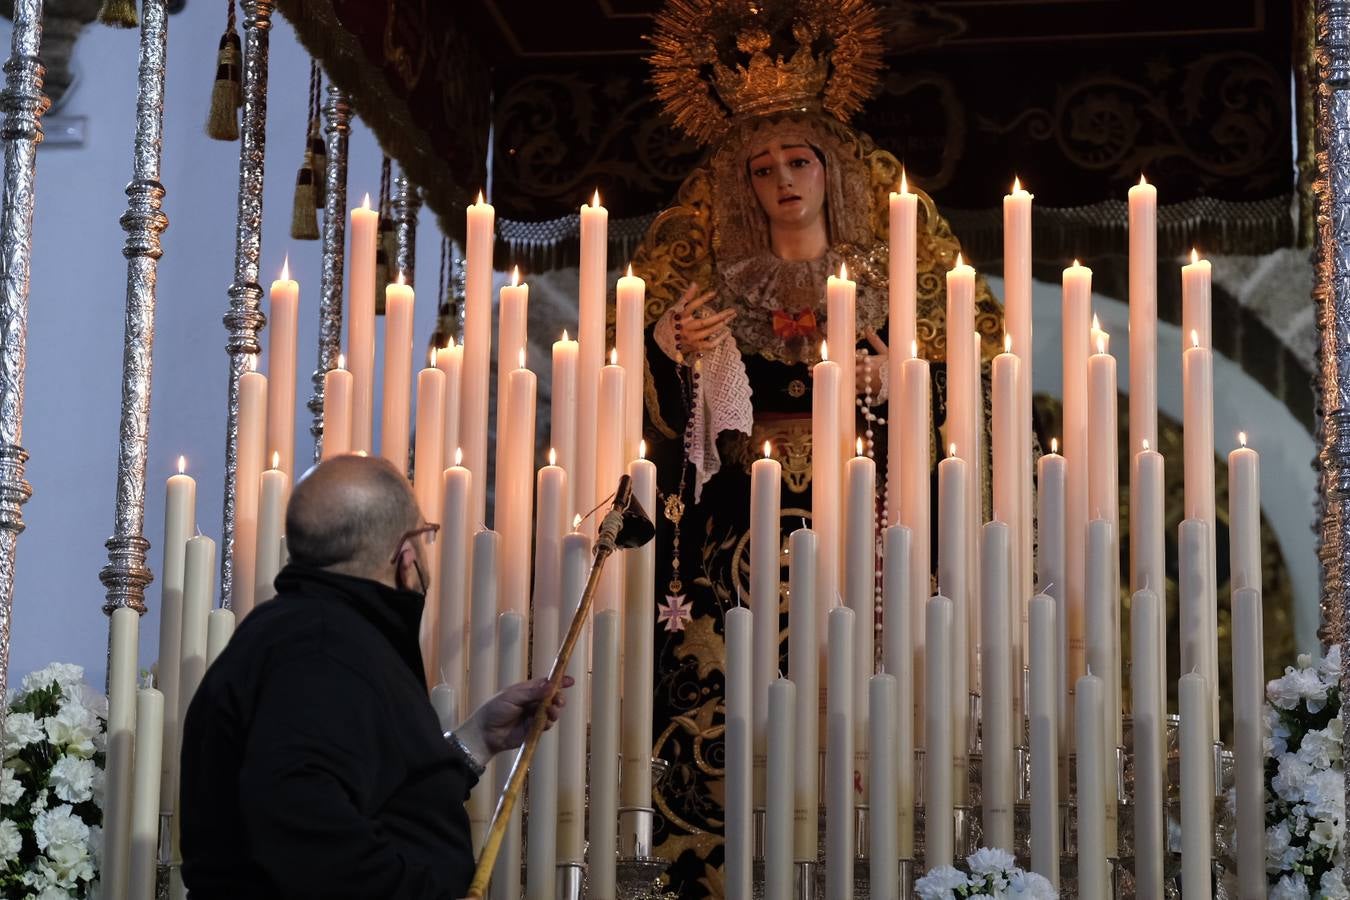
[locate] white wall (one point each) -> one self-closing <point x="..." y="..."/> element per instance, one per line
<point x="76" y="317"/>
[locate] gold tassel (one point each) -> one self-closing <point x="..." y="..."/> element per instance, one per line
<point x="318" y="155"/>
<point x="119" y="13"/>
<point x="222" y="121"/>
<point x="304" y="224"/>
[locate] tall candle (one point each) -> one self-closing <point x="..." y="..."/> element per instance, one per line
<point x="281" y="331"/>
<point x="1248" y="733"/>
<point x="576" y="553"/>
<point x="639" y="607"/>
<point x="1197" y="786"/>
<point x="839" y="763"/>
<point x="765" y="569"/>
<point x="1148" y="544"/>
<point x="180" y="513"/>
<point x="364" y="229"/>
<point x="477" y="365"/>
<point x="428" y="463"/>
<point x="1197" y="368"/>
<point x="453" y="616"/>
<point x="1101" y="654"/>
<point x="952" y="573"/>
<point x="1146" y="675"/>
<point x="563" y="414"/>
<point x="482" y="659"/>
<point x="198" y="571"/>
<point x="1104" y="499"/>
<point x="1043" y="708"/>
<point x="609" y="465"/>
<point x="450" y="360"/>
<point x="779" y="800"/>
<point x="512" y="637"/>
<point x="884" y="849"/>
<point x="898" y="660"/>
<point x="860" y="567"/>
<point x="1143" y="203"/>
<point x="630" y="297"/>
<point x="590" y="353"/>
<point x="937" y="781"/>
<point x="394" y="405"/>
<point x="1244" y="516"/>
<point x="251" y="456"/>
<point x="1009" y="461"/>
<point x="445" y="700"/>
<point x="975" y="502"/>
<point x="997" y="791"/>
<point x="1017" y="323"/>
<point x="1199" y="638"/>
<point x="145" y="794"/>
<point x="960" y="326"/>
<point x="1017" y="268"/>
<point x="1090" y="707"/>
<point x="122" y="667"/>
<point x="826" y="477"/>
<point x="337" y="411"/>
<point x="219" y="630"/>
<point x="1076" y="304"/>
<point x="515" y="499"/>
<point x="739" y="842"/>
<point x="1195" y="299"/>
<point x="604" y="782"/>
<point x="842" y="333"/>
<point x="911" y="418"/>
<point x="1051" y="470"/>
<point x="903" y="281"/>
<point x="274" y="491"/>
<point x="512" y="349"/>
<point x="804" y="662"/>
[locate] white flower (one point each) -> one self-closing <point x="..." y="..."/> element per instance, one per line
<point x="1030" y="884"/>
<point x="989" y="861"/>
<point x="1322" y="748"/>
<point x="100" y="783"/>
<point x="1280" y="856"/>
<point x="96" y="846"/>
<point x="1324" y="834"/>
<point x="1276" y="733"/>
<point x="21" y="729"/>
<point x="1291" y="777"/>
<point x="1330" y="665"/>
<point x="1289" y="887"/>
<point x="11" y="789"/>
<point x="40" y="803"/>
<point x="64" y="839"/>
<point x="73" y="729"/>
<point x="11" y="842"/>
<point x="66" y="675"/>
<point x="90" y="699"/>
<point x="72" y="778"/>
<point x="52" y="892"/>
<point x="941" y="883"/>
<point x="1333" y="886"/>
<point x="1324" y="794"/>
<point x="1298" y="685"/>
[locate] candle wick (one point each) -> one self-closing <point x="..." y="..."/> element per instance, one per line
<point x="1046" y="589"/>
<point x="199" y="530"/>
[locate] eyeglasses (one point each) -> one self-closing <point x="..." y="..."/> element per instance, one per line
<point x="429" y="530"/>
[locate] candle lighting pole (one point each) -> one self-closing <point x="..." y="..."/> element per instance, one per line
<point x="337" y="113"/>
<point x="23" y="103"/>
<point x="245" y="318"/>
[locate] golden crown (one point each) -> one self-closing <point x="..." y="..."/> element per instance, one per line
<point x="716" y="61"/>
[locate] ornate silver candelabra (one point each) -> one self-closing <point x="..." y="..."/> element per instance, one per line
<point x="337" y="113"/>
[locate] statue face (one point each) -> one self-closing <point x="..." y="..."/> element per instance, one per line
<point x="789" y="182"/>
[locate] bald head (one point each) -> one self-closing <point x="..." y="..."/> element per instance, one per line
<point x="348" y="513"/>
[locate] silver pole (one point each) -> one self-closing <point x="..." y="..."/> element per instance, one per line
<point x="126" y="574"/>
<point x="24" y="104"/>
<point x="405" y="203"/>
<point x="337" y="125"/>
<point x="245" y="318"/>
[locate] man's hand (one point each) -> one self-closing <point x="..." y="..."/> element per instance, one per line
<point x="502" y="722"/>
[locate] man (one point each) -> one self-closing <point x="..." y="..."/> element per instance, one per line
<point x="313" y="762"/>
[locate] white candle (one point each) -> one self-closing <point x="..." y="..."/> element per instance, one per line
<point x="180" y="513"/>
<point x="739" y="840"/>
<point x="952" y="574"/>
<point x="937" y="780"/>
<point x="1195" y="299"/>
<point x="145" y="794"/>
<point x="1197" y="786"/>
<point x="515" y="497"/>
<point x="274" y="491"/>
<point x="1197" y="366"/>
<point x="1248" y="734"/>
<point x="1076" y="305"/>
<point x="590" y="354"/>
<point x="541" y="848"/>
<point x="337" y="411"/>
<point x="860" y="567"/>
<point x="1090" y="707"/>
<point x="563" y="412"/>
<point x="903" y="282"/>
<point x="911" y="417"/>
<point x="638" y="659"/>
<point x="1017" y="324"/>
<point x="1104" y="504"/>
<point x="804" y="662"/>
<point x="1051" y="470"/>
<point x="604" y="783"/>
<point x="453" y="616"/>
<point x="1143" y="202"/>
<point x="428" y="463"/>
<point x="630" y="297"/>
<point x="450" y="361"/>
<point x="765" y="547"/>
<point x="609" y="466"/>
<point x="1244" y="516"/>
<point x="826" y="483"/>
<point x="364" y="229"/>
<point x="1043" y="709"/>
<point x="1148" y="545"/>
<point x="122" y="668"/>
<point x="839" y="756"/>
<point x="473" y="402"/>
<point x="779" y="796"/>
<point x="1017" y="267"/>
<point x="1146" y="675"/>
<point x="998" y="791"/>
<point x="198" y="581"/>
<point x="394" y="405"/>
<point x="960" y="326"/>
<point x="1199" y="638"/>
<point x="842" y="333"/>
<point x="483" y="659"/>
<point x="446" y="703"/>
<point x="512" y="347"/>
<point x="1008" y="465"/>
<point x="899" y="661"/>
<point x="883" y="850"/>
<point x="975" y="506"/>
<point x="219" y="630"/>
<point x="281" y="331"/>
<point x="1100" y="599"/>
<point x="512" y="637"/>
<point x="576" y="565"/>
<point x="250" y="458"/>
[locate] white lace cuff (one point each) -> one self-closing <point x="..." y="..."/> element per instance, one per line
<point x="721" y="403"/>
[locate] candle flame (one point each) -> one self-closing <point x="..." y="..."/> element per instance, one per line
<point x="286" y="268"/>
<point x="1145" y="444"/>
<point x="182" y="464"/>
<point x="913" y="349"/>
<point x="276" y="460"/>
<point x="595" y="201"/>
<point x="858" y="445"/>
<point x="342" y="361"/>
<point x="515" y="276"/>
<point x="613" y="356"/>
<point x="365" y="201"/>
<point x="1076" y="263"/>
<point x="552" y="456"/>
<point x="431" y="358"/>
<point x="1096" y="323"/>
<point x="642" y="449"/>
<point x="576" y="522"/>
<point x="520" y="358"/>
<point x="1017" y="184"/>
<point x="1195" y="256"/>
<point x="951" y="450"/>
<point x="1054" y="445"/>
<point x="959" y="260"/>
<point x="1101" y="341"/>
<point x="564" y="337"/>
<point x="459" y="456"/>
<point x="1195" y="338"/>
<point x="824" y="351"/>
<point x="767" y="450"/>
<point x="401" y="279"/>
<point x="1142" y="179"/>
<point x="630" y="270"/>
<point x="904" y="183"/>
<point x="843" y="272"/>
<point x="1007" y="343"/>
<point x="479" y="201"/>
<point x="1242" y="438"/>
<point x="362" y="453"/>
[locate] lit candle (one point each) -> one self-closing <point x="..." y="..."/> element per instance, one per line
<point x="1143" y="202"/>
<point x="1147" y="544"/>
<point x="962" y="388"/>
<point x="365" y="223"/>
<point x="1017" y="266"/>
<point x="1146" y="675"/>
<point x="1197" y="787"/>
<point x="477" y="365"/>
<point x="180" y="512"/>
<point x="453" y="616"/>
<point x="1043" y="709"/>
<point x="512" y="347"/>
<point x="765" y="545"/>
<point x="604" y="781"/>
<point x="124" y="631"/>
<point x="804" y="662"/>
<point x="1009" y="457"/>
<point x="219" y="630"/>
<point x="1195" y="299"/>
<point x="1076" y="305"/>
<point x="952" y="574"/>
<point x="1017" y="318"/>
<point x="394" y="406"/>
<point x="1090" y="707"/>
<point x="482" y="659"/>
<point x="1197" y="367"/>
<point x="881" y="739"/>
<point x="1199" y="638"/>
<point x="1050" y="476"/>
<point x="515" y="497"/>
<point x="839" y="764"/>
<point x="974" y="506"/>
<point x="739" y="623"/>
<point x="145" y="794"/>
<point x="281" y="331"/>
<point x="842" y="333"/>
<point x="826" y="475"/>
<point x="903" y="281"/>
<point x="910" y="432"/>
<point x="609" y="465"/>
<point x="997" y="790"/>
<point x="337" y="411"/>
<point x="512" y="636"/>
<point x="274" y="490"/>
<point x="639" y="606"/>
<point x="1244" y="516"/>
<point x="630" y="299"/>
<point x="450" y="360"/>
<point x="445" y="702"/>
<point x="563" y="413"/>
<point x="576" y="564"/>
<point x="1248" y="733"/>
<point x="427" y="458"/>
<point x="860" y="567"/>
<point x="590" y="355"/>
<point x="249" y="466"/>
<point x="898" y="658"/>
<point x="779" y="801"/>
<point x="1104" y="502"/>
<point x="938" y="789"/>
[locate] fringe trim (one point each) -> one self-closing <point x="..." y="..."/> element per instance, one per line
<point x="556" y="243"/>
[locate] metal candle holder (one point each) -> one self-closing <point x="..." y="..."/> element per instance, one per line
<point x="337" y="113"/>
<point x="405" y="201"/>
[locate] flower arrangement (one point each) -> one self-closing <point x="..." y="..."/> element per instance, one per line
<point x="51" y="786"/>
<point x="1305" y="781"/>
<point x="993" y="873"/>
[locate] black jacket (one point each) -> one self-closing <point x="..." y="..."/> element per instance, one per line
<point x="313" y="764"/>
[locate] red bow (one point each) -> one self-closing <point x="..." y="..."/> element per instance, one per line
<point x="789" y="325"/>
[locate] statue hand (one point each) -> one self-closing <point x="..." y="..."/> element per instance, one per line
<point x="696" y="333"/>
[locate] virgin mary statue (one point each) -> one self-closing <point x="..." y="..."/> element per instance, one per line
<point x="736" y="272"/>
